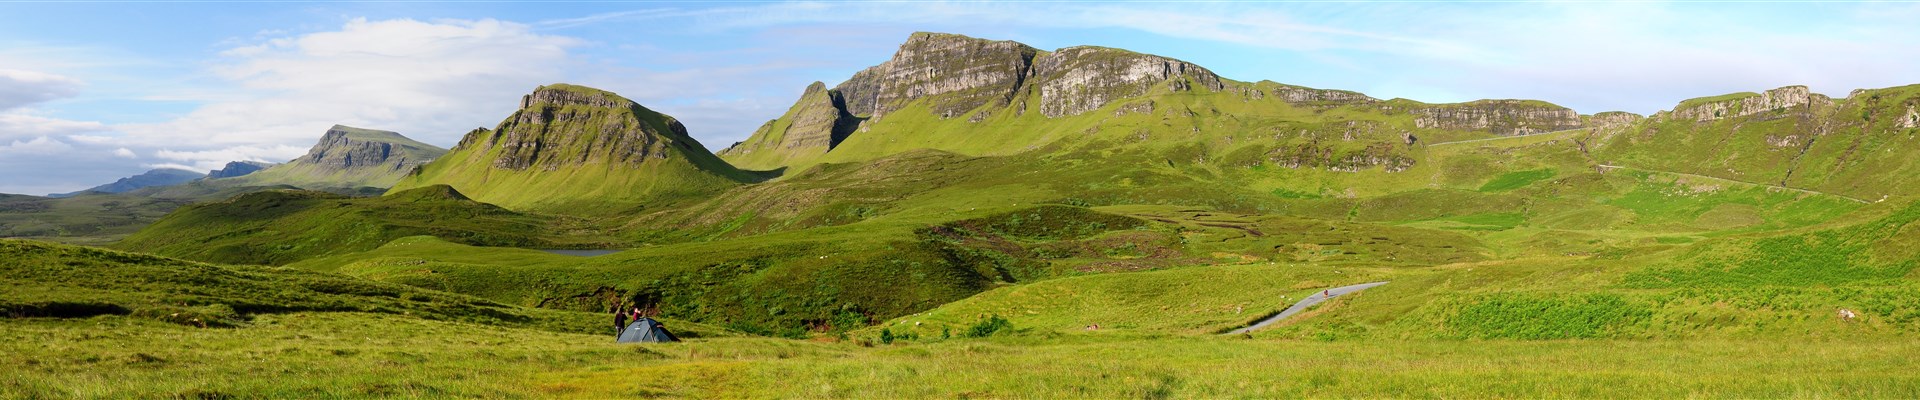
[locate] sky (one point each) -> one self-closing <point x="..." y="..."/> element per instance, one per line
<point x="92" y="92"/>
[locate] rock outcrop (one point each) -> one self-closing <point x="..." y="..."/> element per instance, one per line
<point x="238" y="169"/>
<point x="1501" y="117"/>
<point x="957" y="73"/>
<point x="1309" y="96"/>
<point x="1076" y="80"/>
<point x="1912" y="119"/>
<point x="1744" y="104"/>
<point x="1613" y="119"/>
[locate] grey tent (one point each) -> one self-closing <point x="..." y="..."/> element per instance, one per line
<point x="646" y="330"/>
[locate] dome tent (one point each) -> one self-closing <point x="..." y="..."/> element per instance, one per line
<point x="646" y="330"/>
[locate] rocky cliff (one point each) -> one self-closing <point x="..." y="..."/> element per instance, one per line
<point x="573" y="146"/>
<point x="1744" y="104"/>
<point x="957" y="73"/>
<point x="1502" y="117"/>
<point x="1613" y="119"/>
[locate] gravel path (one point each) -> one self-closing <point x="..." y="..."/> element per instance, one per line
<point x="1316" y="298"/>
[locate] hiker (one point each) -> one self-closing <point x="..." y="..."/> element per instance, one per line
<point x="619" y="321"/>
<point x="1326" y="294"/>
<point x="637" y="314"/>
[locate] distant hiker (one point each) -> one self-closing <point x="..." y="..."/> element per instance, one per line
<point x="619" y="321"/>
<point x="1093" y="327"/>
<point x="1326" y="294"/>
<point x="637" y="314"/>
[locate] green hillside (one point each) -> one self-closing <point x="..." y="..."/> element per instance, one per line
<point x="580" y="150"/>
<point x="981" y="219"/>
<point x="278" y="227"/>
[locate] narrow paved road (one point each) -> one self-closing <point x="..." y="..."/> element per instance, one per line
<point x="1316" y="298"/>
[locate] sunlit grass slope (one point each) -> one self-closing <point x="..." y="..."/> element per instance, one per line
<point x="278" y="227"/>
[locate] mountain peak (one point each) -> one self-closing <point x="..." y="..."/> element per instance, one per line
<point x="349" y="157"/>
<point x="576" y="146"/>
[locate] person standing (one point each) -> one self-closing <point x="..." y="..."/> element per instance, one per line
<point x="619" y="321"/>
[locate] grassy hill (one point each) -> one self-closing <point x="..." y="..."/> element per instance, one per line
<point x="278" y="227"/>
<point x="579" y="150"/>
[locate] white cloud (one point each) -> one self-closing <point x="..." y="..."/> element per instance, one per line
<point x="19" y="123"/>
<point x="19" y="88"/>
<point x="40" y="145"/>
<point x="177" y="166"/>
<point x="124" y="153"/>
<point x="429" y="80"/>
<point x="217" y="158"/>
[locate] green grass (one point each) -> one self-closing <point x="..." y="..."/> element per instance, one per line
<point x="279" y="227"/>
<point x="1516" y="180"/>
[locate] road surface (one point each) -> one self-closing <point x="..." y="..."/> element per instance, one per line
<point x="1316" y="298"/>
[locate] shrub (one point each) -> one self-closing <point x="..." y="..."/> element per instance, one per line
<point x="993" y="324"/>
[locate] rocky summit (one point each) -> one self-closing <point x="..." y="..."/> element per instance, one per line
<point x="572" y="145"/>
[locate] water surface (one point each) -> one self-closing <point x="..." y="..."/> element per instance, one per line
<point x="581" y="253"/>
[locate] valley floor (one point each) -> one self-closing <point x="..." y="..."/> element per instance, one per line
<point x="366" y="355"/>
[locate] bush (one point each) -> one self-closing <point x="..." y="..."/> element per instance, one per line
<point x="993" y="324"/>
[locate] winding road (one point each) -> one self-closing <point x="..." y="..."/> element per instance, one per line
<point x="1316" y="298"/>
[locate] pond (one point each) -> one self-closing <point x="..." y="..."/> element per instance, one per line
<point x="582" y="253"/>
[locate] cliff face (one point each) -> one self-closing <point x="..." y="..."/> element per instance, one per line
<point x="1612" y="119"/>
<point x="571" y="146"/>
<point x="959" y="72"/>
<point x="1744" y="104"/>
<point x="1502" y="117"/>
<point x="1310" y="96"/>
<point x="1076" y="80"/>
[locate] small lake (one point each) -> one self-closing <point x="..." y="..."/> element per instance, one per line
<point x="581" y="253"/>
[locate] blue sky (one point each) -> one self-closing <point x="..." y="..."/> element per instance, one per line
<point x="90" y="92"/>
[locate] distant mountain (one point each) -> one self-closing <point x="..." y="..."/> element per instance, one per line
<point x="238" y="169"/>
<point x="581" y="150"/>
<point x="349" y="157"/>
<point x="157" y="177"/>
